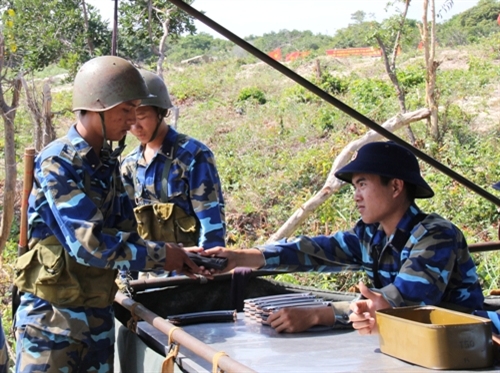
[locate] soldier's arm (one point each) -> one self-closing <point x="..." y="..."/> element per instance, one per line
<point x="80" y="226"/>
<point x="207" y="200"/>
<point x="339" y="252"/>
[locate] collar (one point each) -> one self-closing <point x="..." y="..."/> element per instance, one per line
<point x="404" y="225"/>
<point x="166" y="148"/>
<point x="84" y="150"/>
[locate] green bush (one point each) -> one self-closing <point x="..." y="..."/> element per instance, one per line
<point x="334" y="85"/>
<point x="411" y="77"/>
<point x="252" y="94"/>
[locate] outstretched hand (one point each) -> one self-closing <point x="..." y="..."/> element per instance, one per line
<point x="251" y="258"/>
<point x="363" y="311"/>
<point x="222" y="252"/>
<point x="177" y="260"/>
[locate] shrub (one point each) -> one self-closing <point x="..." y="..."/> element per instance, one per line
<point x="252" y="94"/>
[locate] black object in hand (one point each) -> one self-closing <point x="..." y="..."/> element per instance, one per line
<point x="208" y="262"/>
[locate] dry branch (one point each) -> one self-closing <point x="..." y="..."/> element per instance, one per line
<point x="332" y="184"/>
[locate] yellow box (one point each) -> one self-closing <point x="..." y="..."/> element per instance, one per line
<point x="435" y="337"/>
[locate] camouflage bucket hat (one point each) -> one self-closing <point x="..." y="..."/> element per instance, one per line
<point x="105" y="82"/>
<point x="390" y="160"/>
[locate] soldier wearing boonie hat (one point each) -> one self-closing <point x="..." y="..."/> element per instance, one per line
<point x="82" y="230"/>
<point x="411" y="258"/>
<point x="389" y="160"/>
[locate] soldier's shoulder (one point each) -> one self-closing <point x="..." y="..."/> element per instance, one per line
<point x="192" y="145"/>
<point x="60" y="148"/>
<point x="435" y="223"/>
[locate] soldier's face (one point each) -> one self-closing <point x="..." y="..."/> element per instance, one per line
<point x="145" y="123"/>
<point x="375" y="201"/>
<point x="119" y="119"/>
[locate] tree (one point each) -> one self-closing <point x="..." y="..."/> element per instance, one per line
<point x="34" y="34"/>
<point x="354" y="35"/>
<point x="48" y="31"/>
<point x="8" y="113"/>
<point x="194" y="45"/>
<point x="291" y="41"/>
<point x="156" y="21"/>
<point x="428" y="34"/>
<point x="358" y="16"/>
<point x="471" y="25"/>
<point x="392" y="32"/>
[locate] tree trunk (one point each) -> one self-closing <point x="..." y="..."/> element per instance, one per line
<point x="36" y="116"/>
<point x="332" y="184"/>
<point x="9" y="114"/>
<point x="161" y="48"/>
<point x="86" y="25"/>
<point x="390" y="68"/>
<point x="42" y="118"/>
<point x="429" y="45"/>
<point x="318" y="70"/>
<point x="49" y="133"/>
<point x="175" y="116"/>
<point x="165" y="24"/>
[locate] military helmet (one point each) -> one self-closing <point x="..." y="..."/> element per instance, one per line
<point x="158" y="89"/>
<point x="105" y="82"/>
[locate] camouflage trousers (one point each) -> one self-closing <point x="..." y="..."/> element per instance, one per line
<point x="42" y="351"/>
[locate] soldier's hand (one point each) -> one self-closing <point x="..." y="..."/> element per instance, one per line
<point x="251" y="258"/>
<point x="177" y="260"/>
<point x="363" y="311"/>
<point x="222" y="252"/>
<point x="299" y="319"/>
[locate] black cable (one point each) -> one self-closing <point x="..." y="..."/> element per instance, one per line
<point x="333" y="101"/>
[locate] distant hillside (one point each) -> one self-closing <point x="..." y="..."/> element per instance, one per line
<point x="462" y="29"/>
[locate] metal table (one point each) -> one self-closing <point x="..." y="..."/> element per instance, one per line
<point x="262" y="349"/>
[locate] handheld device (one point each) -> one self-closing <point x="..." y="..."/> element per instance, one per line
<point x="208" y="262"/>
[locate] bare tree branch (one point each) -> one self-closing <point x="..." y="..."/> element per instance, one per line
<point x="86" y="25"/>
<point x="332" y="184"/>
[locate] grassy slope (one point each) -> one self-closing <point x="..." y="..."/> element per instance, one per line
<point x="274" y="156"/>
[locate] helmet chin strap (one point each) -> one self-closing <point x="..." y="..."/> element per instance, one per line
<point x="107" y="152"/>
<point x="161" y="116"/>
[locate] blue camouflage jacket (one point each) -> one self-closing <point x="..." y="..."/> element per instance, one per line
<point x="433" y="267"/>
<point x="73" y="199"/>
<point x="193" y="184"/>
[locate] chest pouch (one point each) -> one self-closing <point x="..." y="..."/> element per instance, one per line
<point x="167" y="222"/>
<point x="48" y="272"/>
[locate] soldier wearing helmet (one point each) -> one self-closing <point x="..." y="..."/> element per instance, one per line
<point x="82" y="230"/>
<point x="411" y="258"/>
<point x="172" y="172"/>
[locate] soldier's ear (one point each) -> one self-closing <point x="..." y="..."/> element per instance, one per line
<point x="397" y="186"/>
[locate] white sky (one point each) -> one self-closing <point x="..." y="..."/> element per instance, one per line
<point x="246" y="17"/>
